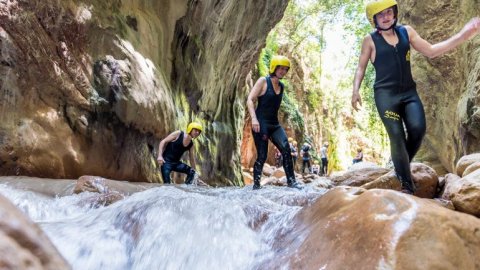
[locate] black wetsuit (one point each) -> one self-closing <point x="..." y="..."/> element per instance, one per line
<point x="306" y="159"/>
<point x="398" y="103"/>
<point x="173" y="153"/>
<point x="266" y="112"/>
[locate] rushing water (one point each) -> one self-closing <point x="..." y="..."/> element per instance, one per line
<point x="168" y="227"/>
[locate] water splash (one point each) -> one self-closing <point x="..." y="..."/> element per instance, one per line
<point x="170" y="227"/>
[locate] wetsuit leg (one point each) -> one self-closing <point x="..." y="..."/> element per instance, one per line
<point x="184" y="168"/>
<point x="280" y="140"/>
<point x="261" y="143"/>
<point x="391" y="110"/>
<point x="415" y="123"/>
<point x="324" y="166"/>
<point x="166" y="169"/>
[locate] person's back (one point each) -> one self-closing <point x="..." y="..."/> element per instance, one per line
<point x="306" y="158"/>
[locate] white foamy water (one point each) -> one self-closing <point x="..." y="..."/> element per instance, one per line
<point x="169" y="227"/>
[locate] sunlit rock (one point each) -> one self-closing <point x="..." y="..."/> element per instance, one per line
<point x="424" y="177"/>
<point x="279" y="172"/>
<point x="268" y="170"/>
<point x="23" y="245"/>
<point x="379" y="229"/>
<point x="465" y="193"/>
<point x="471" y="168"/>
<point x="110" y="190"/>
<point x="449" y="186"/>
<point x="465" y="162"/>
<point x="386" y="181"/>
<point x="359" y="176"/>
<point x="447" y="85"/>
<point x="247" y="178"/>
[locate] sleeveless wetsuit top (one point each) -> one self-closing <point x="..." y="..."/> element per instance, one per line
<point x="269" y="103"/>
<point x="174" y="150"/>
<point x="392" y="63"/>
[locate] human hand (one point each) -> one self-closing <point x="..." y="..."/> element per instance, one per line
<point x="356" y="99"/>
<point x="255" y="125"/>
<point x="160" y="160"/>
<point x="471" y="29"/>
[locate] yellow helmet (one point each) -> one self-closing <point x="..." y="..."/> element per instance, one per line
<point x="376" y="6"/>
<point x="290" y="139"/>
<point x="194" y="125"/>
<point x="278" y="60"/>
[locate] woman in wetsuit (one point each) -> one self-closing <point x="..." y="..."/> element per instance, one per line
<point x="265" y="125"/>
<point x="171" y="149"/>
<point x="396" y="98"/>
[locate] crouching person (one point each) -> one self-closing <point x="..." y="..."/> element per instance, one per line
<point x="171" y="150"/>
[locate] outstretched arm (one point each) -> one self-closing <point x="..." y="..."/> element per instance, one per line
<point x="252" y="97"/>
<point x="470" y="29"/>
<point x="161" y="147"/>
<point x="365" y="55"/>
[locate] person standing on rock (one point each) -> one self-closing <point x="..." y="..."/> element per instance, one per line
<point x="171" y="150"/>
<point x="265" y="125"/>
<point x="305" y="153"/>
<point x="324" y="157"/>
<point x="294" y="151"/>
<point x="396" y="98"/>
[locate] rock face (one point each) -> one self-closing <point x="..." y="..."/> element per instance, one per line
<point x="216" y="45"/>
<point x="448" y="85"/>
<point x="89" y="88"/>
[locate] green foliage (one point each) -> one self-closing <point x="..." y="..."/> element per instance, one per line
<point x="290" y="107"/>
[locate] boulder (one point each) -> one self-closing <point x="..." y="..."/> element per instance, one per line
<point x="23" y="245"/>
<point x="348" y="228"/>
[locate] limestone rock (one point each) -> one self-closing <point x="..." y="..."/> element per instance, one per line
<point x="465" y="193"/>
<point x="465" y="161"/>
<point x="359" y="176"/>
<point x="447" y="85"/>
<point x="379" y="229"/>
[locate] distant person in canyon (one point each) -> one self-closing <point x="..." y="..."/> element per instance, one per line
<point x="171" y="150"/>
<point x="294" y="151"/>
<point x="268" y="91"/>
<point x="359" y="157"/>
<point x="396" y="98"/>
<point x="324" y="157"/>
<point x="306" y="157"/>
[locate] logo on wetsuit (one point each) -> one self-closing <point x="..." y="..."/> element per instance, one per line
<point x="392" y="115"/>
<point x="408" y="56"/>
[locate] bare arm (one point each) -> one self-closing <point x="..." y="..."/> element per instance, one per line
<point x="192" y="158"/>
<point x="470" y="29"/>
<point x="161" y="147"/>
<point x="256" y="91"/>
<point x="365" y="55"/>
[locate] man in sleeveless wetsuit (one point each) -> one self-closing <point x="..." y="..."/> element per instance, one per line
<point x="396" y="98"/>
<point x="265" y="125"/>
<point x="171" y="150"/>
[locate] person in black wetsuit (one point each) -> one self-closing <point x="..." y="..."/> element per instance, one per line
<point x="171" y="150"/>
<point x="265" y="125"/>
<point x="396" y="98"/>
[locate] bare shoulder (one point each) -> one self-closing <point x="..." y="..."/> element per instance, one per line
<point x="410" y="30"/>
<point x="261" y="80"/>
<point x="173" y="136"/>
<point x="368" y="41"/>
